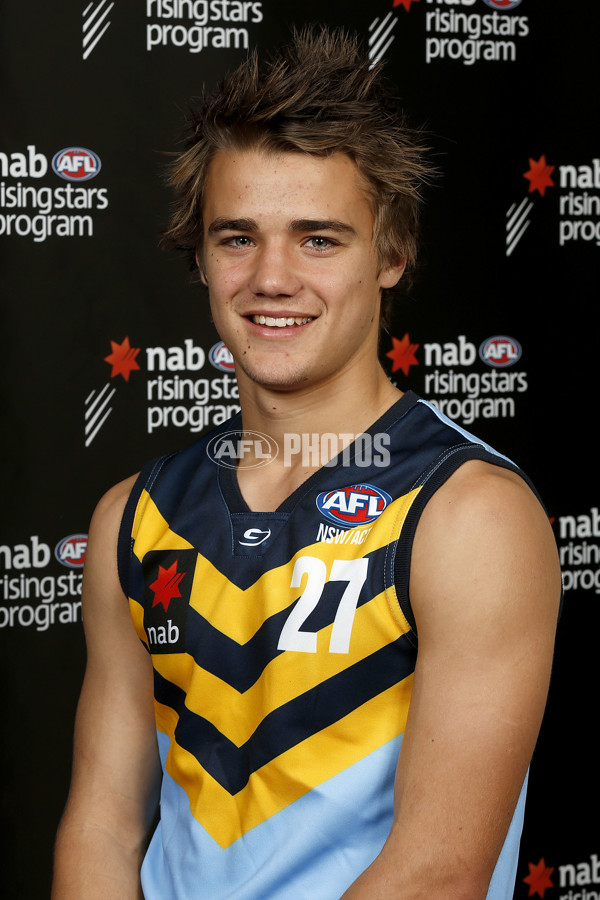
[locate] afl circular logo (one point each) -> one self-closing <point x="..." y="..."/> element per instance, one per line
<point x="76" y="164"/>
<point x="502" y="4"/>
<point x="70" y="552"/>
<point x="220" y="357"/>
<point x="356" y="504"/>
<point x="500" y="351"/>
<point x="249" y="451"/>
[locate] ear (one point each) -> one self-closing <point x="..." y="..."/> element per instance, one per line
<point x="391" y="274"/>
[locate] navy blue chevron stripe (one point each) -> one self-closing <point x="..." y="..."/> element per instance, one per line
<point x="291" y="723"/>
<point x="242" y="666"/>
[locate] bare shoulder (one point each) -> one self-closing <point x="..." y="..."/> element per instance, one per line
<point x="106" y="520"/>
<point x="111" y="505"/>
<point x="101" y="585"/>
<point x="484" y="491"/>
<point x="492" y="542"/>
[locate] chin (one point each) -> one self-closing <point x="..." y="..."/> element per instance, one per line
<point x="270" y="377"/>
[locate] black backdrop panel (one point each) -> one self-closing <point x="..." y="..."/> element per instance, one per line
<point x="109" y="356"/>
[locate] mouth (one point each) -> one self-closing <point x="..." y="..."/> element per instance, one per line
<point x="280" y="321"/>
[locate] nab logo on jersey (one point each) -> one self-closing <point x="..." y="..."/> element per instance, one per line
<point x="76" y="164"/>
<point x="500" y="351"/>
<point x="71" y="551"/>
<point x="220" y="357"/>
<point x="357" y="504"/>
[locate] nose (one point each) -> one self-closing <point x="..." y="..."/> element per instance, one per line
<point x="274" y="272"/>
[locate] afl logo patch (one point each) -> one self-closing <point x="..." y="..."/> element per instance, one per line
<point x="500" y="351"/>
<point x="502" y="4"/>
<point x="76" y="164"/>
<point x="221" y="358"/>
<point x="356" y="504"/>
<point x="70" y="552"/>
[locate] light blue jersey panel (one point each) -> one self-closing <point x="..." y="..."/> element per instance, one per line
<point x="185" y="863"/>
<point x="503" y="880"/>
<point x="294" y="855"/>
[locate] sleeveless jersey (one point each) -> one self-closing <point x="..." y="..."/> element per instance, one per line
<point x="284" y="647"/>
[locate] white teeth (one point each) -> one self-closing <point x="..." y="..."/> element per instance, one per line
<point x="272" y="322"/>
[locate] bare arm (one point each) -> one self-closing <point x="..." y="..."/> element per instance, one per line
<point x="485" y="587"/>
<point x="115" y="778"/>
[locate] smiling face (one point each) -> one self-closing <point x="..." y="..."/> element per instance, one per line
<point x="292" y="272"/>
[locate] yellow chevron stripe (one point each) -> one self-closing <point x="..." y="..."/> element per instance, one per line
<point x="136" y="611"/>
<point x="216" y="598"/>
<point x="288" y="675"/>
<point x="156" y="534"/>
<point x="276" y="785"/>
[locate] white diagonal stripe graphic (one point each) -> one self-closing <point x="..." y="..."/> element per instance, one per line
<point x="97" y="400"/>
<point x="93" y="26"/>
<point x="378" y="30"/>
<point x="517" y="224"/>
<point x="97" y="413"/>
<point x="91" y="18"/>
<point x="93" y="414"/>
<point x="518" y="212"/>
<point x="381" y="32"/>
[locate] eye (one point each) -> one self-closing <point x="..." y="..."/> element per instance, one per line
<point x="318" y="242"/>
<point x="239" y="240"/>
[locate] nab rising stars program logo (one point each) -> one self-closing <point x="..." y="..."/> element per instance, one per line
<point x="176" y="394"/>
<point x="122" y="360"/>
<point x="539" y="176"/>
<point x="468" y="35"/>
<point x="576" y="209"/>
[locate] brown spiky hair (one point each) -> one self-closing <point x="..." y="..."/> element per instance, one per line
<point x="318" y="95"/>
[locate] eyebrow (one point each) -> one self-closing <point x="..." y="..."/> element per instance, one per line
<point x="297" y="225"/>
<point x="321" y="225"/>
<point x="232" y="225"/>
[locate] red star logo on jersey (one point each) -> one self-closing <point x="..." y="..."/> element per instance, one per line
<point x="166" y="586"/>
<point x="539" y="174"/>
<point x="405" y="3"/>
<point x="539" y="878"/>
<point x="122" y="359"/>
<point x="402" y="354"/>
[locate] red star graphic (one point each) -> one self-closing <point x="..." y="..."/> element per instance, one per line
<point x="402" y="354"/>
<point x="539" y="878"/>
<point x="122" y="359"/>
<point x="166" y="585"/>
<point x="405" y="3"/>
<point x="539" y="175"/>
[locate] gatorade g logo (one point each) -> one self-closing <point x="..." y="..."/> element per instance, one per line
<point x="357" y="504"/>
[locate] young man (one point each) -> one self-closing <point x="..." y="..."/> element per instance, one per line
<point x="345" y="659"/>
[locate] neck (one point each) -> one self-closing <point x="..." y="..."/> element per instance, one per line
<point x="297" y="421"/>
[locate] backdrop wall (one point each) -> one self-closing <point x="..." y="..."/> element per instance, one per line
<point x="100" y="328"/>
